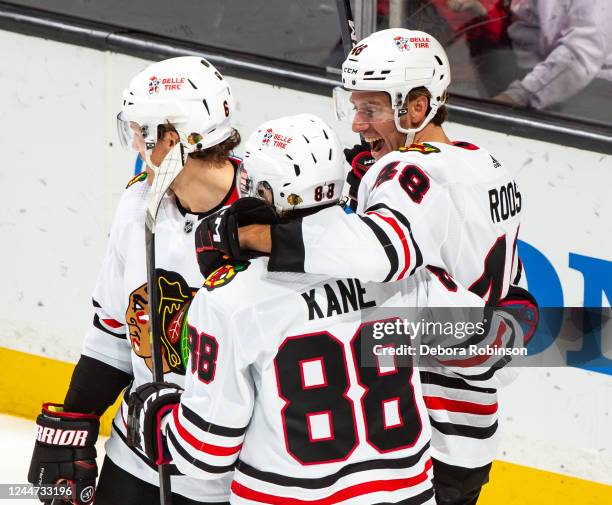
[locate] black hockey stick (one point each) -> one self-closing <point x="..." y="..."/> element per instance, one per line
<point x="164" y="175"/>
<point x="347" y="25"/>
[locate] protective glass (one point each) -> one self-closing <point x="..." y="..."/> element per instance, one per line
<point x="359" y="107"/>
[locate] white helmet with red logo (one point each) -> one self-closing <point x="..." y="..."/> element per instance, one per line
<point x="294" y="162"/>
<point x="187" y="92"/>
<point x="397" y="61"/>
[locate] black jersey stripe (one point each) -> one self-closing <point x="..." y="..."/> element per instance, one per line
<point x="463" y="430"/>
<point x="208" y="427"/>
<point x="288" y="252"/>
<point x="330" y="480"/>
<point x="419" y="499"/>
<point x="196" y="462"/>
<point x="171" y="468"/>
<point x="99" y="326"/>
<point x="402" y="219"/>
<point x="436" y="379"/>
<point x="387" y="246"/>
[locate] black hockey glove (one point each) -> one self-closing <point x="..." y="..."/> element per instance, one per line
<point x="147" y="407"/>
<point x="218" y="233"/>
<point x="65" y="453"/>
<point x="360" y="158"/>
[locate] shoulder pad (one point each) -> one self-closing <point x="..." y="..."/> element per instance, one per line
<point x="142" y="176"/>
<point x="225" y="274"/>
<point x="423" y="148"/>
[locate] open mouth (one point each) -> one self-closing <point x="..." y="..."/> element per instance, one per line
<point x="376" y="145"/>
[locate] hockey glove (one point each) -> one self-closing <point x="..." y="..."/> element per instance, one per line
<point x="147" y="408"/>
<point x="360" y="159"/>
<point x="524" y="308"/>
<point x="219" y="232"/>
<point x="65" y="453"/>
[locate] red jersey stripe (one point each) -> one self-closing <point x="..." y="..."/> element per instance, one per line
<point x="112" y="323"/>
<point x="214" y="450"/>
<point x="437" y="403"/>
<point x="344" y="494"/>
<point x="393" y="223"/>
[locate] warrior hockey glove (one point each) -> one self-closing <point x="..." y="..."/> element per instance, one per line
<point x="147" y="408"/>
<point x="360" y="159"/>
<point x="65" y="453"/>
<point x="219" y="232"/>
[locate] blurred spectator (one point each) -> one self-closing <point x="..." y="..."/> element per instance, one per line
<point x="483" y="24"/>
<point x="565" y="47"/>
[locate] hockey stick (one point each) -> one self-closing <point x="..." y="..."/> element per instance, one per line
<point x="347" y="25"/>
<point x="164" y="176"/>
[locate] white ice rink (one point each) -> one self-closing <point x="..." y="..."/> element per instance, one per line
<point x="16" y="444"/>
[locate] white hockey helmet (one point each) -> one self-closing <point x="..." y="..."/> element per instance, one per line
<point x="294" y="162"/>
<point x="395" y="61"/>
<point x="187" y="92"/>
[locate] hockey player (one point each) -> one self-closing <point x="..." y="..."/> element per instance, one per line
<point x="177" y="100"/>
<point x="427" y="201"/>
<point x="277" y="374"/>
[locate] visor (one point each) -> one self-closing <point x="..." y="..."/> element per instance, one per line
<point x="133" y="135"/>
<point x="249" y="187"/>
<point x="352" y="108"/>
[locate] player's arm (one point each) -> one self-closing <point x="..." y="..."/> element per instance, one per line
<point x="66" y="433"/>
<point x="206" y="429"/>
<point x="400" y="227"/>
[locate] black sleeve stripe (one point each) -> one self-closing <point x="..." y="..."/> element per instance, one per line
<point x="419" y="499"/>
<point x="329" y="480"/>
<point x="207" y="427"/>
<point x="387" y="246"/>
<point x="436" y="379"/>
<point x="288" y="252"/>
<point x="519" y="272"/>
<point x="171" y="468"/>
<point x="462" y="430"/>
<point x="402" y="219"/>
<point x="98" y="324"/>
<point x="96" y="304"/>
<point x="196" y="462"/>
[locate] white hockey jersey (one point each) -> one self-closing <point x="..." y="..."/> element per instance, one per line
<point x="119" y="334"/>
<point x="277" y="385"/>
<point x="453" y="207"/>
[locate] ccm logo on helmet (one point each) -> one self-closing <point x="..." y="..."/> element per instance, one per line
<point x="56" y="436"/>
<point x="348" y="70"/>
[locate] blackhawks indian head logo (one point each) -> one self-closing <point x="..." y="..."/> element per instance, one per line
<point x="153" y="85"/>
<point x="402" y="43"/>
<point x="224" y="275"/>
<point x="175" y="295"/>
<point x="267" y="137"/>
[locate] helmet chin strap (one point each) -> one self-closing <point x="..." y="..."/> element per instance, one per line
<point x="411" y="132"/>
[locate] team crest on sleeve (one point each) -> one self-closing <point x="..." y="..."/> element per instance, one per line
<point x="142" y="176"/>
<point x="423" y="148"/>
<point x="224" y="275"/>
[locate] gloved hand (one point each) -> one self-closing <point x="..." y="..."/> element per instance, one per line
<point x="219" y="232"/>
<point x="360" y="159"/>
<point x="65" y="453"/>
<point x="148" y="405"/>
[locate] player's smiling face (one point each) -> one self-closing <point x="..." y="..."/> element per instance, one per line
<point x="373" y="120"/>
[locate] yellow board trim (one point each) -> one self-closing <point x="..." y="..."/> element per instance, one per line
<point x="26" y="381"/>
